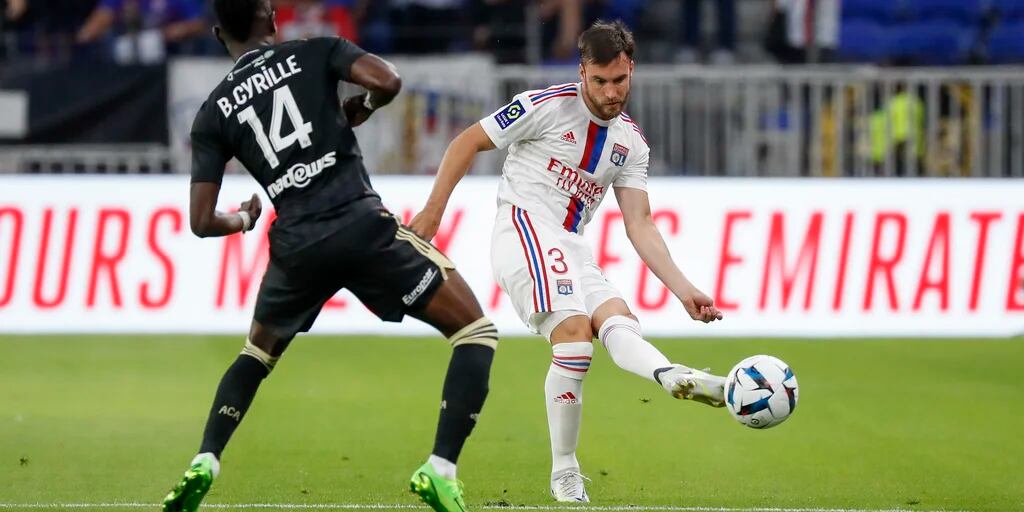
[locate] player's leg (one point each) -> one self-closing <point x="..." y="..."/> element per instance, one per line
<point x="571" y="352"/>
<point x="538" y="265"/>
<point x="619" y="332"/>
<point x="284" y="307"/>
<point x="454" y="311"/>
<point x="405" y="275"/>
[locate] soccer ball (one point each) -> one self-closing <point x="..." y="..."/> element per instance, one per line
<point x="761" y="391"/>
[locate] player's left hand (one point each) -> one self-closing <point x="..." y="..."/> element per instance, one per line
<point x="701" y="307"/>
<point x="254" y="207"/>
<point x="425" y="224"/>
<point x="355" y="110"/>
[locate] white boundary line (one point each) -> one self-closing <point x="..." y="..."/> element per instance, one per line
<point x="406" y="506"/>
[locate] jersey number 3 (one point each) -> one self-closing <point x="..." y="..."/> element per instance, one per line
<point x="284" y="103"/>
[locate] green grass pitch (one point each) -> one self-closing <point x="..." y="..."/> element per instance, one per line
<point x="881" y="424"/>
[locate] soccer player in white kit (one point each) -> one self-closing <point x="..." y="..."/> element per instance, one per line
<point x="567" y="145"/>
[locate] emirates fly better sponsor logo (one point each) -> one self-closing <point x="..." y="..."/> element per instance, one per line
<point x="299" y="175"/>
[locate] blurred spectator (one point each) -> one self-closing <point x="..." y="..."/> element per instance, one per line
<point x="812" y="30"/>
<point x="144" y="30"/>
<point x="14" y="9"/>
<point x="499" y="27"/>
<point x="43" y="29"/>
<point x="426" y="26"/>
<point x="303" y="19"/>
<point x="563" y="20"/>
<point x="723" y="52"/>
<point x="627" y="11"/>
<point x="896" y="128"/>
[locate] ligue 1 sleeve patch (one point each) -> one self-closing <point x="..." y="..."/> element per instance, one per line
<point x="619" y="154"/>
<point x="509" y="114"/>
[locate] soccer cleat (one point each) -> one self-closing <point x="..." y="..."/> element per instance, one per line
<point x="689" y="384"/>
<point x="442" y="494"/>
<point x="185" y="496"/>
<point x="567" y="486"/>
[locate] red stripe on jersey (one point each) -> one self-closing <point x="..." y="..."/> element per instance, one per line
<point x="589" y="148"/>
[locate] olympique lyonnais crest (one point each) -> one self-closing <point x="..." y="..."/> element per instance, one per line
<point x="619" y="154"/>
<point x="564" y="286"/>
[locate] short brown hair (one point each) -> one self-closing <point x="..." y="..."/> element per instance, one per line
<point x="603" y="41"/>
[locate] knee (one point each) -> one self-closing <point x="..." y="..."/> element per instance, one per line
<point x="478" y="332"/>
<point x="573" y="329"/>
<point x="264" y="346"/>
<point x="600" y="325"/>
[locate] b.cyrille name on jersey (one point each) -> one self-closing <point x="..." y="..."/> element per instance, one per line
<point x="261" y="81"/>
<point x="299" y="175"/>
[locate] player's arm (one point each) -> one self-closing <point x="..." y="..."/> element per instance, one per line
<point x="206" y="221"/>
<point x="379" y="77"/>
<point x="209" y="157"/>
<point x="519" y="120"/>
<point x="651" y="247"/>
<point x="457" y="160"/>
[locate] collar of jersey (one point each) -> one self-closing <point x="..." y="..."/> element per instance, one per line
<point x="586" y="110"/>
<point x="247" y="54"/>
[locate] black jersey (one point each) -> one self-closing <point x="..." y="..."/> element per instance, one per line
<point x="279" y="114"/>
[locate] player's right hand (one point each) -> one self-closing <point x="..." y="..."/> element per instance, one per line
<point x="425" y="224"/>
<point x="701" y="307"/>
<point x="254" y="207"/>
<point x="355" y="110"/>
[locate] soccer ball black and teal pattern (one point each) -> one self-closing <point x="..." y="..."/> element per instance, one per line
<point x="761" y="391"/>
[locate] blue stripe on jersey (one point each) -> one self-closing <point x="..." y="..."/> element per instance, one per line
<point x="595" y="154"/>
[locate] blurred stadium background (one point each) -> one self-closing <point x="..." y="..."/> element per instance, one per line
<point x="824" y="169"/>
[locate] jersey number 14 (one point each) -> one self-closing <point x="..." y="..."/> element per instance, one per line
<point x="284" y="103"/>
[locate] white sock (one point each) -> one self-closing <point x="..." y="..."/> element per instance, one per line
<point x="214" y="463"/>
<point x="444" y="467"/>
<point x="628" y="349"/>
<point x="563" y="392"/>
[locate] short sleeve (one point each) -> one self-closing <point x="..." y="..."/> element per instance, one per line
<point x="209" y="155"/>
<point x="342" y="53"/>
<point x="519" y="120"/>
<point x="634" y="174"/>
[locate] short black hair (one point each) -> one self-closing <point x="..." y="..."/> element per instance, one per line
<point x="236" y="17"/>
<point x="604" y="41"/>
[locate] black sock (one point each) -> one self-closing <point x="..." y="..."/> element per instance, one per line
<point x="234" y="395"/>
<point x="465" y="388"/>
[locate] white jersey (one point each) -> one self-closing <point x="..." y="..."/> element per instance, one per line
<point x="561" y="158"/>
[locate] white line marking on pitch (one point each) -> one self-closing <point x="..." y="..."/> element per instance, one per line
<point x="383" y="506"/>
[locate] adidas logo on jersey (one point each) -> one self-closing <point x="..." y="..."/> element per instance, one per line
<point x="569" y="137"/>
<point x="567" y="398"/>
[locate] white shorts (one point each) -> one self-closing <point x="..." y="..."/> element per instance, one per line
<point x="548" y="273"/>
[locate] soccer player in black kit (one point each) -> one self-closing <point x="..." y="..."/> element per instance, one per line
<point x="278" y="113"/>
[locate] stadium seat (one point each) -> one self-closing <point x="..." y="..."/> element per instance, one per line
<point x="1008" y="9"/>
<point x="1006" y="44"/>
<point x="931" y="42"/>
<point x="968" y="12"/>
<point x="863" y="41"/>
<point x="871" y="10"/>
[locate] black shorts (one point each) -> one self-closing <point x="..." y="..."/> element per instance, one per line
<point x="388" y="267"/>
